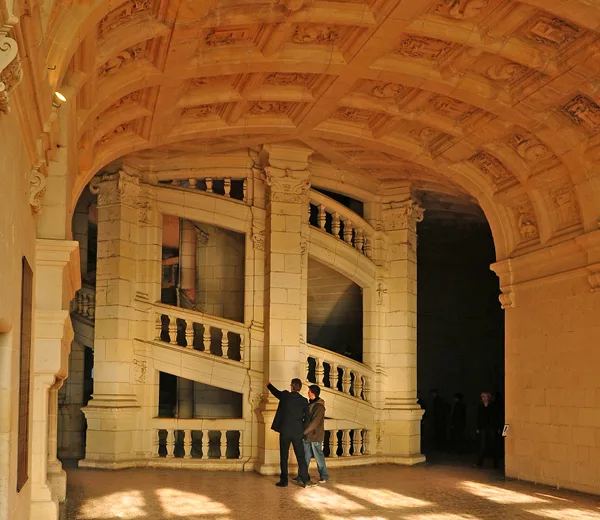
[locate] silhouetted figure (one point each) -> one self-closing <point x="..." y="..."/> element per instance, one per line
<point x="488" y="425"/>
<point x="439" y="409"/>
<point x="421" y="403"/>
<point x="458" y="422"/>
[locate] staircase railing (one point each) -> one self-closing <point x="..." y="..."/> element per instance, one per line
<point x="338" y="372"/>
<point x="84" y="303"/>
<point x="200" y="439"/>
<point x="341" y="222"/>
<point x="354" y="442"/>
<point x="224" y="186"/>
<point x="199" y="331"/>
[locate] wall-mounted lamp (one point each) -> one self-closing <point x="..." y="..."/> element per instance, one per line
<point x="61" y="99"/>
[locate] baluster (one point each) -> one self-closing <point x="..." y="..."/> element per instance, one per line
<point x="333" y="376"/>
<point x="345" y="443"/>
<point x="155" y="443"/>
<point x="227" y="186"/>
<point x="187" y="444"/>
<point x="335" y="225"/>
<point x="366" y="442"/>
<point x="309" y="212"/>
<point x="333" y="443"/>
<point x="241" y="444"/>
<point x="358" y="385"/>
<point x="346" y="380"/>
<point x="223" y="444"/>
<point x="358" y="239"/>
<point x="308" y="369"/>
<point x="158" y="326"/>
<point x="206" y="338"/>
<point x="322" y="216"/>
<point x="209" y="184"/>
<point x="245" y="190"/>
<point x="92" y="310"/>
<point x="225" y="343"/>
<point x="366" y="389"/>
<point x="355" y="443"/>
<point x="86" y="305"/>
<point x="172" y="330"/>
<point x="193" y="183"/>
<point x="319" y="371"/>
<point x="368" y="247"/>
<point x="348" y="231"/>
<point x="170" y="444"/>
<point x="205" y="445"/>
<point x="241" y="348"/>
<point x="189" y="333"/>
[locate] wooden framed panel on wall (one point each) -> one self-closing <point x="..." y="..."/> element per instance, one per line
<point x="24" y="374"/>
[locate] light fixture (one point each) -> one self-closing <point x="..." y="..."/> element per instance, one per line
<point x="60" y="96"/>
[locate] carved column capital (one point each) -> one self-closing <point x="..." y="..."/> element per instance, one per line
<point x="116" y="188"/>
<point x="10" y="67"/>
<point x="285" y="185"/>
<point x="402" y="215"/>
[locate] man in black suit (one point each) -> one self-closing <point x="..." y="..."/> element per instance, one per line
<point x="289" y="423"/>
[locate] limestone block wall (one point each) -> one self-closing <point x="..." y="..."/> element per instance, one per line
<point x="17" y="239"/>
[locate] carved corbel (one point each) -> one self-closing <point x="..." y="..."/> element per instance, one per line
<point x="594" y="279"/>
<point x="507" y="300"/>
<point x="10" y="67"/>
<point x="37" y="189"/>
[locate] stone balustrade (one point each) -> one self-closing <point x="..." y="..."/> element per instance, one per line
<point x="200" y="439"/>
<point x="346" y="442"/>
<point x="341" y="222"/>
<point x="337" y="372"/>
<point x="225" y="186"/>
<point x="199" y="331"/>
<point x="84" y="302"/>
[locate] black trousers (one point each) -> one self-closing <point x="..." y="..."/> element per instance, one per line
<point x="487" y="446"/>
<point x="284" y="452"/>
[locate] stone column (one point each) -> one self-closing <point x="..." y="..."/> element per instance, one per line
<point x="397" y="298"/>
<point x="187" y="277"/>
<point x="113" y="410"/>
<point x="288" y="178"/>
<point x="56" y="279"/>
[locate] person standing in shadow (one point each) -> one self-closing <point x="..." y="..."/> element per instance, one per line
<point x="488" y="425"/>
<point x="289" y="423"/>
<point x="440" y="409"/>
<point x="458" y="422"/>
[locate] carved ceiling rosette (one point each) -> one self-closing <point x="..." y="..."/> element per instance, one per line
<point x="287" y="187"/>
<point x="116" y="188"/>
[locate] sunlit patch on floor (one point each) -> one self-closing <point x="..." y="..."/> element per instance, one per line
<point x="500" y="495"/>
<point x="440" y="516"/>
<point x="321" y="499"/>
<point x="553" y="497"/>
<point x="382" y="497"/>
<point x="124" y="504"/>
<point x="181" y="503"/>
<point x="566" y="514"/>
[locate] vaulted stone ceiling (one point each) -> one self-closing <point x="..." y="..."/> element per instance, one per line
<point x="493" y="100"/>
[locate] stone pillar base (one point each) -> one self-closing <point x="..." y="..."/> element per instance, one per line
<point x="57" y="480"/>
<point x="400" y="436"/>
<point x="112" y="424"/>
<point x="47" y="510"/>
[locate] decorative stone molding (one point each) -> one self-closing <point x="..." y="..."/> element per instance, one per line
<point x="254" y="398"/>
<point x="507" y="300"/>
<point x="10" y="67"/>
<point x="37" y="189"/>
<point x="381" y="291"/>
<point x="116" y="188"/>
<point x="140" y="368"/>
<point x="402" y="215"/>
<point x="258" y="239"/>
<point x="286" y="188"/>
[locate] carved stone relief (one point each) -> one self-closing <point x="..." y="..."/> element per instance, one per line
<point x="460" y="9"/>
<point x="116" y="188"/>
<point x="222" y="36"/>
<point x="120" y="60"/>
<point x="491" y="167"/>
<point x="506" y="300"/>
<point x="565" y="204"/>
<point x="508" y="72"/>
<point x="317" y="34"/>
<point x="452" y="108"/>
<point x="140" y="369"/>
<point x="594" y="279"/>
<point x="123" y="13"/>
<point x="286" y="187"/>
<point x="11" y="72"/>
<point x="260" y="108"/>
<point x="387" y="90"/>
<point x="529" y="147"/>
<point x="37" y="190"/>
<point x="551" y="31"/>
<point x="121" y="129"/>
<point x="583" y="112"/>
<point x="526" y="221"/>
<point x="402" y="216"/>
<point x="354" y="115"/>
<point x="381" y="292"/>
<point x="199" y="111"/>
<point x="258" y="239"/>
<point x="422" y="47"/>
<point x="285" y="79"/>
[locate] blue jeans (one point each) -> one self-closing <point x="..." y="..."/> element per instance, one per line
<point x="315" y="449"/>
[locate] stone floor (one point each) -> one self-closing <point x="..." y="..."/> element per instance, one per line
<point x="428" y="492"/>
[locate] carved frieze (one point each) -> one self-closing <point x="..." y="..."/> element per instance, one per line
<point x="384" y="90"/>
<point x="491" y="167"/>
<point x="354" y="115"/>
<point x="124" y="12"/>
<point x="565" y="205"/>
<point x="529" y="147"/>
<point x="200" y="111"/>
<point x="403" y="215"/>
<point x="422" y="47"/>
<point x="140" y="369"/>
<point x="508" y="72"/>
<point x="258" y="239"/>
<point x="123" y="58"/>
<point x="284" y="186"/>
<point x="121" y="129"/>
<point x="37" y="189"/>
<point x="526" y="221"/>
<point x="271" y="108"/>
<point x="551" y="31"/>
<point x="116" y="188"/>
<point x="285" y="79"/>
<point x="583" y="112"/>
<point x="11" y="72"/>
<point x="452" y="108"/>
<point x="223" y="36"/>
<point x="460" y="9"/>
<point x="594" y="279"/>
<point x="317" y="34"/>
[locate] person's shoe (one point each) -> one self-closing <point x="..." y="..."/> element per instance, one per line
<point x="281" y="483"/>
<point x="297" y="479"/>
<point x="310" y="483"/>
<point x="322" y="481"/>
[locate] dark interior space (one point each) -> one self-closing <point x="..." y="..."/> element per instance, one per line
<point x="460" y="325"/>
